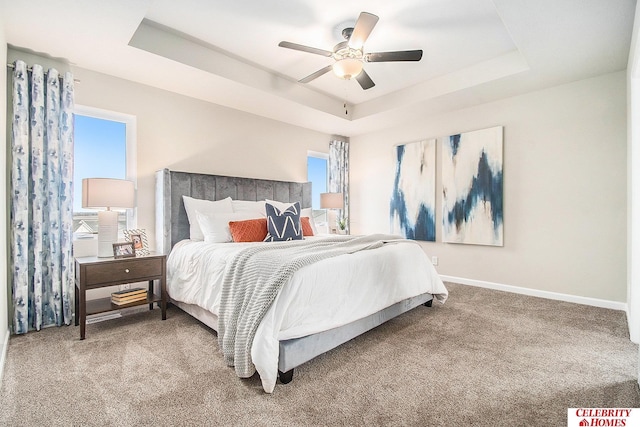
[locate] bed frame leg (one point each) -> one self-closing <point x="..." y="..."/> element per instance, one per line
<point x="428" y="303"/>
<point x="285" y="377"/>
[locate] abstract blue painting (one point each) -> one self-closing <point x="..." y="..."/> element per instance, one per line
<point x="412" y="207"/>
<point x="472" y="188"/>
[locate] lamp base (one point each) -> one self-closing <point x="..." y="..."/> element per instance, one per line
<point x="332" y="217"/>
<point x="107" y="232"/>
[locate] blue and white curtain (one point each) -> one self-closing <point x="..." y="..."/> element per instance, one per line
<point x="41" y="217"/>
<point x="339" y="174"/>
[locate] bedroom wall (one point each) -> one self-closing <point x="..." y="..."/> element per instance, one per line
<point x="185" y="134"/>
<point x="633" y="180"/>
<point x="565" y="189"/>
<point x="565" y="172"/>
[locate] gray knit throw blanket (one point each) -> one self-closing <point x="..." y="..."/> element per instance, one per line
<point x="256" y="275"/>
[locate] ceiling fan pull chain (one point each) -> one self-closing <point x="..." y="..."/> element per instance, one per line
<point x="346" y="97"/>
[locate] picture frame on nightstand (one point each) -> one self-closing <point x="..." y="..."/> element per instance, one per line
<point x="139" y="239"/>
<point x="136" y="239"/>
<point x="124" y="250"/>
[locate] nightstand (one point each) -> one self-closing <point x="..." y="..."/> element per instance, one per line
<point x="95" y="273"/>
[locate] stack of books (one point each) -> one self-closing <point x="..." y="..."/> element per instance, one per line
<point x="128" y="296"/>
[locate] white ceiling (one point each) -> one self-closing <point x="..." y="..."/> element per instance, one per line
<point x="227" y="52"/>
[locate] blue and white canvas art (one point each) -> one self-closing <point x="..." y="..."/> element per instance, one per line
<point x="412" y="207"/>
<point x="472" y="188"/>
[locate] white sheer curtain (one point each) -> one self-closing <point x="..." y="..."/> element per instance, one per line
<point x="339" y="173"/>
<point x="41" y="198"/>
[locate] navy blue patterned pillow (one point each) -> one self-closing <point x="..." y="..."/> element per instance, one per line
<point x="283" y="225"/>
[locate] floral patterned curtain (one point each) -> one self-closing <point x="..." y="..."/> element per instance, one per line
<point x="339" y="174"/>
<point x="41" y="217"/>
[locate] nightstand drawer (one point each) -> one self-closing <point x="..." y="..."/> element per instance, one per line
<point x="123" y="271"/>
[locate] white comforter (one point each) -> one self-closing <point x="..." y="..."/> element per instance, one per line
<point x="322" y="296"/>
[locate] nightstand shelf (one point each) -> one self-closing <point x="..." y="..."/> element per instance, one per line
<point x="103" y="305"/>
<point x="95" y="273"/>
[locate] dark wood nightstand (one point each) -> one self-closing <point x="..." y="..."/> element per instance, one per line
<point x="95" y="273"/>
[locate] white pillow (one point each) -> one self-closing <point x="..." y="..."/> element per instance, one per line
<point x="215" y="227"/>
<point x="308" y="212"/>
<point x="206" y="207"/>
<point x="249" y="206"/>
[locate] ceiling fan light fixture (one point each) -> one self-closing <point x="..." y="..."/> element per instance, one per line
<point x="349" y="55"/>
<point x="347" y="68"/>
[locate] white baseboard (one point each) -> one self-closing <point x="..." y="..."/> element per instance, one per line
<point x="3" y="354"/>
<point x="614" y="305"/>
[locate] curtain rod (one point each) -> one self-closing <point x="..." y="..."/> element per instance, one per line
<point x="13" y="67"/>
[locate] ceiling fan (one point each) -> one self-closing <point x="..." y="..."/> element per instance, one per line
<point x="349" y="55"/>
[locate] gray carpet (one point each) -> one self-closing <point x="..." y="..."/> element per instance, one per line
<point x="484" y="358"/>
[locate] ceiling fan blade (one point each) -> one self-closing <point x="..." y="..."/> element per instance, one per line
<point x="316" y="74"/>
<point x="404" y="55"/>
<point x="364" y="80"/>
<point x="364" y="25"/>
<point x="304" y="48"/>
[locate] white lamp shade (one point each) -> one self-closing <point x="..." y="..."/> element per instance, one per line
<point x="347" y="68"/>
<point x="331" y="201"/>
<point x="101" y="193"/>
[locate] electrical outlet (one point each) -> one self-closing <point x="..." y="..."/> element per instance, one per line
<point x="125" y="287"/>
<point x="434" y="260"/>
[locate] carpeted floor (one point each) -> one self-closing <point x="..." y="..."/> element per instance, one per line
<point x="485" y="358"/>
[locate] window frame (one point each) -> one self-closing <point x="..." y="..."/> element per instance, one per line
<point x="325" y="156"/>
<point x="130" y="148"/>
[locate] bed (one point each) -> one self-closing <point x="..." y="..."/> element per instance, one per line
<point x="284" y="340"/>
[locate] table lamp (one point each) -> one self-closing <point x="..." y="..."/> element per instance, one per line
<point x="331" y="201"/>
<point x="107" y="193"/>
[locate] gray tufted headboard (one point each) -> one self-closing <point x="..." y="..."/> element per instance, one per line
<point x="172" y="224"/>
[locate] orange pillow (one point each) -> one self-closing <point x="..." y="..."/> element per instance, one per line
<point x="306" y="226"/>
<point x="251" y="230"/>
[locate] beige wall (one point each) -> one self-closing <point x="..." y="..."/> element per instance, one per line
<point x="4" y="315"/>
<point x="564" y="189"/>
<point x="185" y="134"/>
<point x="565" y="172"/>
<point x="633" y="180"/>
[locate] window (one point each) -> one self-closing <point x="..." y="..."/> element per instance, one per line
<point x="103" y="148"/>
<point x="317" y="174"/>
